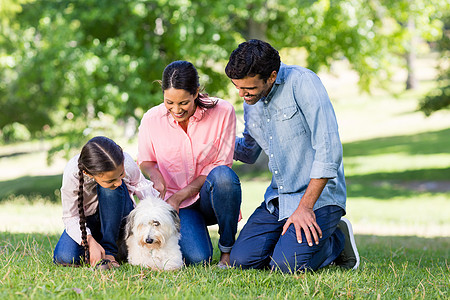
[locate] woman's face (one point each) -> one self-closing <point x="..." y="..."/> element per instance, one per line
<point x="111" y="179"/>
<point x="180" y="104"/>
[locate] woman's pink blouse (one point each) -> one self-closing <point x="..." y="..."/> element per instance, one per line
<point x="183" y="156"/>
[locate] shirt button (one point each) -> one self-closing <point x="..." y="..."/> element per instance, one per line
<point x="284" y="115"/>
<point x="268" y="120"/>
<point x="265" y="102"/>
<point x="271" y="155"/>
<point x="276" y="172"/>
<point x="281" y="187"/>
<point x="270" y="137"/>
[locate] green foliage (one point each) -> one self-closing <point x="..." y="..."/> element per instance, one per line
<point x="75" y="61"/>
<point x="15" y="132"/>
<point x="66" y="64"/>
<point x="439" y="98"/>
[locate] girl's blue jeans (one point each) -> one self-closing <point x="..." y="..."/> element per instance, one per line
<point x="105" y="225"/>
<point x="219" y="203"/>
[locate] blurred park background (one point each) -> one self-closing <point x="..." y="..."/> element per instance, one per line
<point x="71" y="70"/>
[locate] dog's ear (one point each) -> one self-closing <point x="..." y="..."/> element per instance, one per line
<point x="129" y="225"/>
<point x="176" y="219"/>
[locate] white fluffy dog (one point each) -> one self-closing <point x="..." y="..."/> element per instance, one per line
<point x="151" y="236"/>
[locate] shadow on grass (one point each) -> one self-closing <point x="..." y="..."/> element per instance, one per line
<point x="386" y="185"/>
<point x="433" y="142"/>
<point x="421" y="174"/>
<point x="46" y="187"/>
<point x="14" y="154"/>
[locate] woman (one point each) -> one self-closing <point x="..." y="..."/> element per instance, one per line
<point x="186" y="149"/>
<point x="96" y="196"/>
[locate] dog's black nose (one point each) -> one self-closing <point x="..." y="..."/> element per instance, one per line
<point x="149" y="240"/>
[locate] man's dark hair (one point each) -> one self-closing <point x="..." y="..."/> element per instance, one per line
<point x="252" y="58"/>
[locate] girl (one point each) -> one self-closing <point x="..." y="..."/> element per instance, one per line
<point x="96" y="195"/>
<point x="186" y="148"/>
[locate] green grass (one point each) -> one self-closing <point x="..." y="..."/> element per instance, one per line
<point x="392" y="267"/>
<point x="397" y="165"/>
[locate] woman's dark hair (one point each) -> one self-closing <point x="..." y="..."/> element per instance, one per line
<point x="252" y="58"/>
<point x="182" y="75"/>
<point x="99" y="155"/>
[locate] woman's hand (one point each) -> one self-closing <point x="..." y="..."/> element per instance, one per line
<point x="96" y="251"/>
<point x="191" y="189"/>
<point x="175" y="201"/>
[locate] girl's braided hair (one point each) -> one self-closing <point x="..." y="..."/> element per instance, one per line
<point x="99" y="155"/>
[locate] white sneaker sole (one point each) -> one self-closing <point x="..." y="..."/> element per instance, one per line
<point x="352" y="241"/>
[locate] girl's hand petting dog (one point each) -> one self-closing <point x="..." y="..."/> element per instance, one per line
<point x="96" y="251"/>
<point x="160" y="186"/>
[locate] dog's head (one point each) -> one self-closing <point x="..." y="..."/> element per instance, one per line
<point x="153" y="221"/>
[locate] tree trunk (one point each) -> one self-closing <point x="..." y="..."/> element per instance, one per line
<point x="411" y="80"/>
<point x="255" y="30"/>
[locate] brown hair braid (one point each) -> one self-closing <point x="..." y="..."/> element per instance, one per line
<point x="82" y="216"/>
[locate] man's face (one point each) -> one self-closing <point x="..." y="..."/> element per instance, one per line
<point x="254" y="88"/>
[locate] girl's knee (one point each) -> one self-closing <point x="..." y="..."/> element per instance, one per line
<point x="67" y="251"/>
<point x="66" y="258"/>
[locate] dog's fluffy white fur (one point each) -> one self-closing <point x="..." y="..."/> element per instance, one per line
<point x="151" y="235"/>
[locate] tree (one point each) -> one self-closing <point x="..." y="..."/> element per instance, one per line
<point x="439" y="98"/>
<point x="82" y="61"/>
<point x="372" y="35"/>
<point x="77" y="68"/>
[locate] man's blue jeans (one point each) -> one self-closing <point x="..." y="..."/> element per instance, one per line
<point x="261" y="245"/>
<point x="219" y="203"/>
<point x="105" y="225"/>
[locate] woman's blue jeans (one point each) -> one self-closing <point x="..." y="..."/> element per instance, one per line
<point x="219" y="203"/>
<point x="105" y="225"/>
<point x="261" y="245"/>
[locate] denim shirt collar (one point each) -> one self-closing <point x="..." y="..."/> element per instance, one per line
<point x="281" y="77"/>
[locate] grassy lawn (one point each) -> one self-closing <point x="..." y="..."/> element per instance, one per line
<point x="397" y="165"/>
<point x="393" y="267"/>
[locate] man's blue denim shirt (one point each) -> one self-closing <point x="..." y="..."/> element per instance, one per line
<point x="296" y="127"/>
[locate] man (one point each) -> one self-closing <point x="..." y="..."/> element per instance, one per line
<point x="288" y="114"/>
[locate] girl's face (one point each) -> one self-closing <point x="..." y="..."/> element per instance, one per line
<point x="111" y="179"/>
<point x="180" y="104"/>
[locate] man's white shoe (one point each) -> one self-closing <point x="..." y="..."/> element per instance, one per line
<point x="349" y="258"/>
